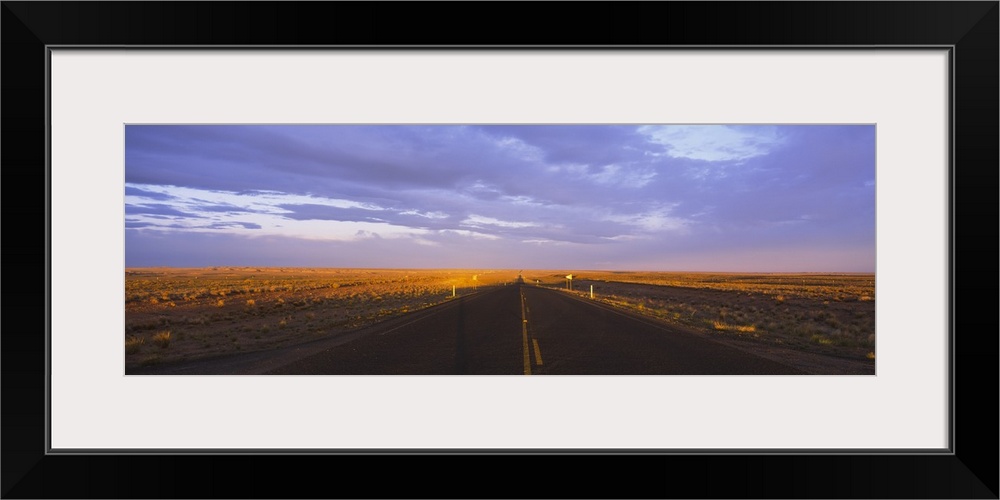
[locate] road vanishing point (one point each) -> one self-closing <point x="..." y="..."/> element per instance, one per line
<point x="516" y="329"/>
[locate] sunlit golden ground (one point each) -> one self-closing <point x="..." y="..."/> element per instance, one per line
<point x="831" y="314"/>
<point x="178" y="314"/>
<point x="211" y="311"/>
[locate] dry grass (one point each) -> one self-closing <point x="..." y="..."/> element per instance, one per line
<point x="821" y="313"/>
<point x="718" y="325"/>
<point x="782" y="287"/>
<point x="162" y="339"/>
<point x="133" y="344"/>
<point x="223" y="310"/>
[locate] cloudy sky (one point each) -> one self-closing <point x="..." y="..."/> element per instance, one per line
<point x="627" y="197"/>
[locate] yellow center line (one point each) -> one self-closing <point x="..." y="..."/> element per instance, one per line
<point x="524" y="339"/>
<point x="538" y="353"/>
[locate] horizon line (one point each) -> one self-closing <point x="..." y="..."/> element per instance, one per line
<point x="493" y="269"/>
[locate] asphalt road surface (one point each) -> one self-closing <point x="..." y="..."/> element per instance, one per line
<point x="527" y="330"/>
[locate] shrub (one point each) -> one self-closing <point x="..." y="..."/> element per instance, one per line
<point x="739" y="328"/>
<point x="821" y="340"/>
<point x="133" y="344"/>
<point x="162" y="339"/>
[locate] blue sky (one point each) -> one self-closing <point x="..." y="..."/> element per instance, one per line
<point x="762" y="198"/>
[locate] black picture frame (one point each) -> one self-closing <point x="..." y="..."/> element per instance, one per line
<point x="970" y="29"/>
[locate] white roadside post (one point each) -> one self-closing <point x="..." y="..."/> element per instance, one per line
<point x="452" y="290"/>
<point x="591" y="291"/>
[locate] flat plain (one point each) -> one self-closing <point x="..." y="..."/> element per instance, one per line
<point x="819" y="323"/>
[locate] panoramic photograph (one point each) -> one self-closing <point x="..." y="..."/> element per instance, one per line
<point x="486" y="249"/>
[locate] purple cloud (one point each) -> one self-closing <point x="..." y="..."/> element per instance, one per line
<point x="612" y="196"/>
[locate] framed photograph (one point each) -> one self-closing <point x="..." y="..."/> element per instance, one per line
<point x="174" y="148"/>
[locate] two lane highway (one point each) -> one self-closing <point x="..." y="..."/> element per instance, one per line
<point x="478" y="334"/>
<point x="527" y="330"/>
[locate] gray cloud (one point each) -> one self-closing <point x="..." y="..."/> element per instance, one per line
<point x="223" y="225"/>
<point x="153" y="195"/>
<point x="154" y="209"/>
<point x="219" y="208"/>
<point x="326" y="212"/>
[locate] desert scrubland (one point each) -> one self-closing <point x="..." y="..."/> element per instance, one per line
<point x="174" y="314"/>
<point x="827" y="315"/>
